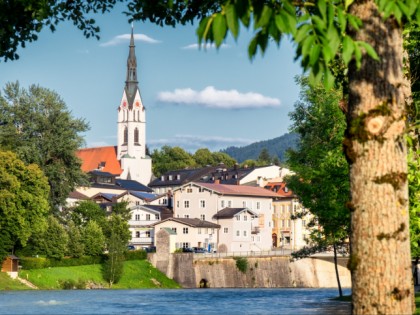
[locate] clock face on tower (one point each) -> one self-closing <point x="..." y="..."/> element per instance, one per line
<point x="137" y="104"/>
<point x="124" y="104"/>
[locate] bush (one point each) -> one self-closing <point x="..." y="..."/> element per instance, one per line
<point x="136" y="255"/>
<point x="71" y="284"/>
<point x="241" y="264"/>
<point x="28" y="263"/>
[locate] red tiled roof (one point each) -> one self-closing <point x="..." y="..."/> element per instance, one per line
<point x="279" y="187"/>
<point x="93" y="157"/>
<point x="238" y="190"/>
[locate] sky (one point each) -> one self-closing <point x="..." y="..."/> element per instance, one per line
<point x="194" y="98"/>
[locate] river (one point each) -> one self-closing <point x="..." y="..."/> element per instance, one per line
<point x="176" y="301"/>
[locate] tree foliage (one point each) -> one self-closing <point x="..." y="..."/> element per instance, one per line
<point x="86" y="211"/>
<point x="75" y="246"/>
<point x="41" y="130"/>
<point x="21" y="21"/>
<point x="23" y="202"/>
<point x="114" y="265"/>
<point x="54" y="240"/>
<point x="93" y="239"/>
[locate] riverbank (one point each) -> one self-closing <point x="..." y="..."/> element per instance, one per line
<point x="138" y="274"/>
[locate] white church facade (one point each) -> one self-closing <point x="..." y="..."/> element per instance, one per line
<point x="127" y="160"/>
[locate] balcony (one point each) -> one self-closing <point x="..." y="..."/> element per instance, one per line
<point x="142" y="240"/>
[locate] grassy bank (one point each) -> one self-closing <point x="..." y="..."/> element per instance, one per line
<point x="137" y="274"/>
<point x="7" y="283"/>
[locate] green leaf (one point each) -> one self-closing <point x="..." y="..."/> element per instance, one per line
<point x="354" y="21"/>
<point x="307" y="45"/>
<point x="201" y="30"/>
<point x="369" y="50"/>
<point x="302" y="32"/>
<point x="314" y="55"/>
<point x="342" y="21"/>
<point x="281" y="22"/>
<point x="347" y="3"/>
<point x="264" y="18"/>
<point x="358" y="56"/>
<point x="252" y="48"/>
<point x="219" y="29"/>
<point x="328" y="79"/>
<point x="232" y="20"/>
<point x="328" y="53"/>
<point x="322" y="7"/>
<point x="348" y="48"/>
<point x="319" y="23"/>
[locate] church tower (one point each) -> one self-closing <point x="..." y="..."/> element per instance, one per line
<point x="131" y="148"/>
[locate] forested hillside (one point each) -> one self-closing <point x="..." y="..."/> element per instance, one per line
<point x="276" y="147"/>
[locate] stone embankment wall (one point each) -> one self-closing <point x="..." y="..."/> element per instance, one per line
<point x="262" y="272"/>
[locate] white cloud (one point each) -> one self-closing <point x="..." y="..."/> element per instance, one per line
<point x="204" y="46"/>
<point x="222" y="99"/>
<point x="125" y="38"/>
<point x="192" y="143"/>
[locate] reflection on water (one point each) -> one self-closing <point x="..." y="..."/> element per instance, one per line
<point x="182" y="301"/>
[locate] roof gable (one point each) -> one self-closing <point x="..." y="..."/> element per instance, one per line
<point x="228" y="213"/>
<point x="192" y="222"/>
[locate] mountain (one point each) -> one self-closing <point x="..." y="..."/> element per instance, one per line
<point x="276" y="147"/>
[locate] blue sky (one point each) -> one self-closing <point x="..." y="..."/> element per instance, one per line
<point x="194" y="98"/>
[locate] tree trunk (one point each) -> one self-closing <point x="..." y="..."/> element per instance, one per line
<point x="340" y="291"/>
<point x="376" y="150"/>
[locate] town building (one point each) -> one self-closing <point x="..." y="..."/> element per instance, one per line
<point x="244" y="213"/>
<point x="127" y="160"/>
<point x="288" y="232"/>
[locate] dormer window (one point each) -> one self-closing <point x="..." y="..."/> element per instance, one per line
<point x="162" y="178"/>
<point x="170" y="177"/>
<point x="178" y="177"/>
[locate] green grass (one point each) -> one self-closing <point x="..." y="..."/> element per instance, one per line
<point x="417" y="299"/>
<point x="7" y="283"/>
<point x="137" y="274"/>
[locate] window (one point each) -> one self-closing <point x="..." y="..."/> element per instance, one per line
<point x="136" y="136"/>
<point x="185" y="245"/>
<point x="157" y="216"/>
<point x="238" y="218"/>
<point x="245" y="218"/>
<point x="258" y="205"/>
<point x="229" y="203"/>
<point x="282" y="223"/>
<point x="174" y="229"/>
<point x="189" y="190"/>
<point x="147" y="233"/>
<point x="202" y="217"/>
<point x="244" y="204"/>
<point x="288" y="223"/>
<point x="177" y="203"/>
<point x="137" y="217"/>
<point x="245" y="233"/>
<point x="186" y="216"/>
<point x="222" y="203"/>
<point x="199" y="231"/>
<point x="162" y="178"/>
<point x="238" y="233"/>
<point x="185" y="230"/>
<point x="225" y="230"/>
<point x="170" y="177"/>
<point x="186" y="203"/>
<point x="202" y="203"/>
<point x="207" y="231"/>
<point x="147" y="217"/>
<point x="125" y="136"/>
<point x="212" y="231"/>
<point x="178" y="177"/>
<point x="137" y="234"/>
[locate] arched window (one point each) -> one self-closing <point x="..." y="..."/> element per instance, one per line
<point x="136" y="136"/>
<point x="125" y="136"/>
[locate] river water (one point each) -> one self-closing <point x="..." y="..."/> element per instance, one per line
<point x="176" y="301"/>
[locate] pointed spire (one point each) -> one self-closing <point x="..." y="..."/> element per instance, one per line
<point x="131" y="81"/>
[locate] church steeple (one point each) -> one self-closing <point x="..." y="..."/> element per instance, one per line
<point x="131" y="83"/>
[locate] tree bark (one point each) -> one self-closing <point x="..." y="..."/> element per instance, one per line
<point x="376" y="150"/>
<point x="340" y="291"/>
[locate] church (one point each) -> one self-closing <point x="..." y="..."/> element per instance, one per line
<point x="127" y="160"/>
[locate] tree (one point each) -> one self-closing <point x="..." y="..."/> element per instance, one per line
<point x="366" y="35"/>
<point x="114" y="265"/>
<point x="226" y="159"/>
<point x="93" y="239"/>
<point x="23" y="202"/>
<point x="41" y="130"/>
<point x="264" y="158"/>
<point x="321" y="177"/>
<point x="75" y="246"/>
<point x="203" y="157"/>
<point x="171" y="158"/>
<point x="86" y="211"/>
<point x="54" y="240"/>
